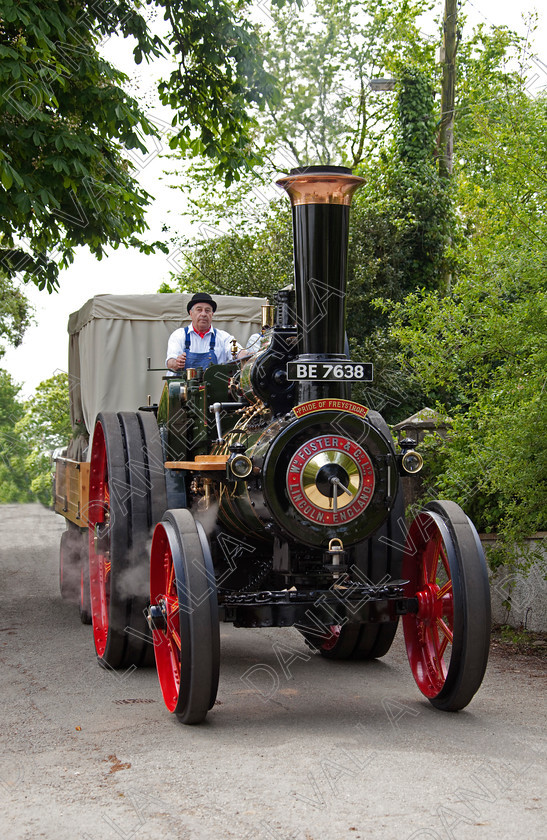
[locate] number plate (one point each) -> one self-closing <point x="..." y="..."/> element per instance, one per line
<point x="327" y="372"/>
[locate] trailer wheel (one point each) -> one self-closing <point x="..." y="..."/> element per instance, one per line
<point x="184" y="616"/>
<point x="126" y="499"/>
<point x="448" y="639"/>
<point x="70" y="562"/>
<point x="85" y="597"/>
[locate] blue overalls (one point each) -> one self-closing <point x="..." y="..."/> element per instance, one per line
<point x="200" y="360"/>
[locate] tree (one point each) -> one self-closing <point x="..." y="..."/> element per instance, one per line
<point x="322" y="62"/>
<point x="66" y="124"/>
<point x="14" y="483"/>
<point x="15" y="313"/>
<point x="44" y="426"/>
<point x="29" y="432"/>
<point x="484" y="342"/>
<point x="253" y="261"/>
<point x="401" y="226"/>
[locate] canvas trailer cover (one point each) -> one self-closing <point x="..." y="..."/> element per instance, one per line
<point x="114" y="339"/>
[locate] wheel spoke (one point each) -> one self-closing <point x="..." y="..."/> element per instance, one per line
<point x="445" y="590"/>
<point x="170" y="578"/>
<point x="430" y="560"/>
<point x="438" y="661"/>
<point x="445" y="631"/>
<point x="171" y="604"/>
<point x="175" y="664"/>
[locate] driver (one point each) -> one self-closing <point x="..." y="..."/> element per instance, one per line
<point x="200" y="344"/>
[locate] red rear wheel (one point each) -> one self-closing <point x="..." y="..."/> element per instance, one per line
<point x="126" y="498"/>
<point x="106" y="539"/>
<point x="448" y="638"/>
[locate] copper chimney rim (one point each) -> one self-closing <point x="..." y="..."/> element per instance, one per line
<point x="321" y="185"/>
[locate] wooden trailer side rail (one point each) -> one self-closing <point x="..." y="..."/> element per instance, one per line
<point x="72" y="490"/>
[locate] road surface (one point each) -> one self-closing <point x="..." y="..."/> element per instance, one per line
<point x="299" y="749"/>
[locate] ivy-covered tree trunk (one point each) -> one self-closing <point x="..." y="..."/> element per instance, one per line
<point x="401" y="225"/>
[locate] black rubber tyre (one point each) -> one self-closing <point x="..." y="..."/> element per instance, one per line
<point x="127" y="498"/>
<point x="448" y="638"/>
<point x="187" y="641"/>
<point x="385" y="562"/>
<point x="84" y="603"/>
<point x="70" y="563"/>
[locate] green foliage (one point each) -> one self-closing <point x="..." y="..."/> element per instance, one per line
<point x="415" y="131"/>
<point x="402" y="220"/>
<point x="486" y="80"/>
<point x="218" y="82"/>
<point x="256" y="261"/>
<point x="321" y="61"/>
<point x="66" y="123"/>
<point x="44" y="426"/>
<point x="484" y="343"/>
<point x="29" y="432"/>
<point x="46" y="420"/>
<point x="15" y="313"/>
<point x="14" y="483"/>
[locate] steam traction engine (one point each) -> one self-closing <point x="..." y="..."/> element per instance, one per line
<point x="277" y="501"/>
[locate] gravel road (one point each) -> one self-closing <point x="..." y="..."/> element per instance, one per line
<point x="324" y="751"/>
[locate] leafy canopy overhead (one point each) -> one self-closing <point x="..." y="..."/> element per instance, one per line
<point x="322" y="61"/>
<point x="66" y="123"/>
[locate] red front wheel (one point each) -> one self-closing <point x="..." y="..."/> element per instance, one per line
<point x="448" y="637"/>
<point x="184" y="616"/>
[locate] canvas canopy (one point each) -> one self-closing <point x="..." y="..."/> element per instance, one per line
<point x="112" y="337"/>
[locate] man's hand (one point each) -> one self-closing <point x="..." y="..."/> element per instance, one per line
<point x="178" y="363"/>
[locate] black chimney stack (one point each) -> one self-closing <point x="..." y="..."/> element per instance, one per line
<point x="320" y="197"/>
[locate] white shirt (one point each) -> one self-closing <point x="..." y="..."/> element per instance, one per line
<point x="223" y="344"/>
